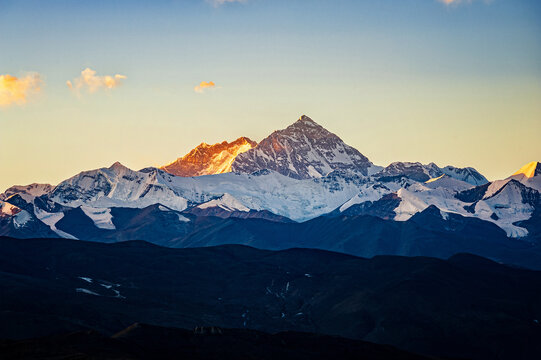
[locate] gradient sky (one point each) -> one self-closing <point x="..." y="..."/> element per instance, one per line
<point x="408" y="80"/>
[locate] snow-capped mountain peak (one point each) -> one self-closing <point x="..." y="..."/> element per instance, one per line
<point x="303" y="150"/>
<point x="119" y="169"/>
<point x="114" y="186"/>
<point x="412" y="170"/>
<point x="467" y="174"/>
<point x="27" y="192"/>
<point x="208" y="159"/>
<point x="530" y="170"/>
<point x="420" y="172"/>
<point x="511" y="203"/>
<point x="529" y="175"/>
<point x="304" y="121"/>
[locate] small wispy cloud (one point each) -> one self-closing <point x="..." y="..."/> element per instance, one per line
<point x="91" y="82"/>
<point x="16" y="91"/>
<point x="456" y="2"/>
<point x="204" y="86"/>
<point x="217" y="3"/>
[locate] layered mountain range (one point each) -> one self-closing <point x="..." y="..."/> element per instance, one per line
<point x="295" y="184"/>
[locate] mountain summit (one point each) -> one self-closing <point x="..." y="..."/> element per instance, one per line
<point x="208" y="159"/>
<point x="303" y="150"/>
<point x="530" y="170"/>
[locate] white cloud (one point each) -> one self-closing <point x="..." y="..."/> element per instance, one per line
<point x="217" y="3"/>
<point x="203" y="86"/>
<point x="15" y="91"/>
<point x="90" y="82"/>
<point x="456" y="2"/>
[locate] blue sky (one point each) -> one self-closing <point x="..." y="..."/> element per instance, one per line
<point x="409" y="80"/>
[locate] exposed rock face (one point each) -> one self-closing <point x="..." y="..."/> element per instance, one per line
<point x="303" y="150"/>
<point x="209" y="159"/>
<point x="411" y="170"/>
<point x="420" y="172"/>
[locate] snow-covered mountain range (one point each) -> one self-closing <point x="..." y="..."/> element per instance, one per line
<point x="297" y="174"/>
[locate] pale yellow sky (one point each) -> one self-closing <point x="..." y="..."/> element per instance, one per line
<point x="455" y="84"/>
<point x="492" y="129"/>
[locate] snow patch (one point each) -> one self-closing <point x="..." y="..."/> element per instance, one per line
<point x="180" y="217"/>
<point x="313" y="172"/>
<point x="101" y="217"/>
<point x="50" y="219"/>
<point x="226" y="202"/>
<point x="86" y="291"/>
<point x="27" y="192"/>
<point x="444" y="215"/>
<point x="21" y="219"/>
<point x="183" y="218"/>
<point x="449" y="183"/>
<point x="366" y="193"/>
